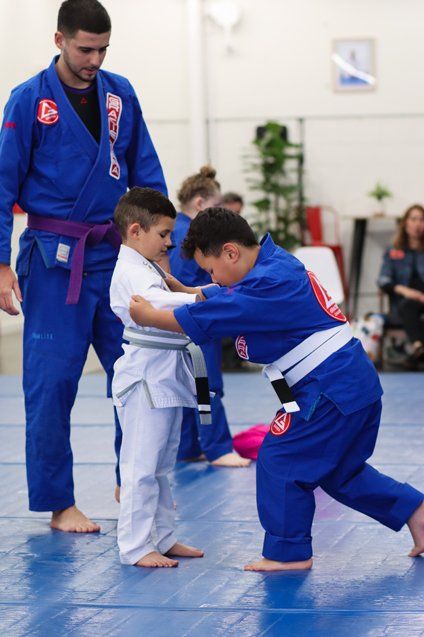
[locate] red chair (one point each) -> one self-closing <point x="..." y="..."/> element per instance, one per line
<point x="313" y="215"/>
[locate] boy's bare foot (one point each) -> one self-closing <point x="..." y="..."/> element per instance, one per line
<point x="156" y="560"/>
<point x="416" y="526"/>
<point x="72" y="520"/>
<point x="181" y="550"/>
<point x="271" y="565"/>
<point x="231" y="460"/>
<point x="118" y="494"/>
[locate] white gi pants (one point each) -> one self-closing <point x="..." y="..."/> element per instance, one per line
<point x="150" y="439"/>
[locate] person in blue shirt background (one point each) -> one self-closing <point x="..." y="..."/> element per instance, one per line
<point x="197" y="192"/>
<point x="330" y="392"/>
<point x="72" y="141"/>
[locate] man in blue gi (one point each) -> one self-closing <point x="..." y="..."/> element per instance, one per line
<point x="72" y="141"/>
<point x="330" y="393"/>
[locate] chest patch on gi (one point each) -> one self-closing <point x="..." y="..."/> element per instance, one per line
<point x="114" y="110"/>
<point x="48" y="112"/>
<point x="280" y="424"/>
<point x="241" y="347"/>
<point x="324" y="299"/>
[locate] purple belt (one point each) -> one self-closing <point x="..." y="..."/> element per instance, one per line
<point x="86" y="233"/>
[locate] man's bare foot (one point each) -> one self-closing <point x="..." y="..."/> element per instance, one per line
<point x="156" y="560"/>
<point x="231" y="460"/>
<point x="181" y="550"/>
<point x="72" y="520"/>
<point x="118" y="494"/>
<point x="416" y="526"/>
<point x="272" y="565"/>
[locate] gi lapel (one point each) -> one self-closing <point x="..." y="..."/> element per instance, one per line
<point x="100" y="171"/>
<point x="67" y="113"/>
<point x="100" y="154"/>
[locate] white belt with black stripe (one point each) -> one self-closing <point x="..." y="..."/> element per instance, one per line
<point x="159" y="339"/>
<point x="302" y="359"/>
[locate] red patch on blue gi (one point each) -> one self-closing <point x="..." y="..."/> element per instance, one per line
<point x="396" y="254"/>
<point x="47" y="113"/>
<point x="241" y="347"/>
<point x="9" y="125"/>
<point x="280" y="424"/>
<point x="324" y="299"/>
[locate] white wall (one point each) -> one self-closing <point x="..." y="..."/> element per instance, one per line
<point x="280" y="68"/>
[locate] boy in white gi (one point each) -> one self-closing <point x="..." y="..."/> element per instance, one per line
<point x="151" y="385"/>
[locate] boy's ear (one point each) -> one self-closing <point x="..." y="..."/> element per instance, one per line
<point x="134" y="229"/>
<point x="232" y="251"/>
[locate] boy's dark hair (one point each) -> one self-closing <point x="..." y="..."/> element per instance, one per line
<point x="143" y="206"/>
<point x="84" y="15"/>
<point x="214" y="227"/>
<point x="232" y="197"/>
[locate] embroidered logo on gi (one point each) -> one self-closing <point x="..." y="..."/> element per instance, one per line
<point x="325" y="300"/>
<point x="241" y="347"/>
<point x="280" y="424"/>
<point x="396" y="254"/>
<point x="48" y="112"/>
<point x="114" y="110"/>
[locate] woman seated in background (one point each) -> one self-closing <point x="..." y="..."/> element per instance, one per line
<point x="402" y="278"/>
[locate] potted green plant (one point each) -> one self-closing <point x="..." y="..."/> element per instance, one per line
<point x="380" y="193"/>
<point x="276" y="164"/>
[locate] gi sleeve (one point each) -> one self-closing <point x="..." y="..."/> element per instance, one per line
<point x="166" y="300"/>
<point x="210" y="291"/>
<point x="228" y="312"/>
<point x="144" y="168"/>
<point x="16" y="138"/>
<point x="387" y="276"/>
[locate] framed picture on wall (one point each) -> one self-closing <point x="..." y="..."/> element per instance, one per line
<point x="353" y="62"/>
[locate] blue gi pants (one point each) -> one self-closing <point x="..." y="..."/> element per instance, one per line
<point x="213" y="440"/>
<point x="56" y="342"/>
<point x="329" y="451"/>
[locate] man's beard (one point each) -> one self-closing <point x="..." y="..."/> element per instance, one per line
<point x="77" y="73"/>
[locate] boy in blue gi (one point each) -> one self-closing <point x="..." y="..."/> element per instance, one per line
<point x="73" y="140"/>
<point x="330" y="392"/>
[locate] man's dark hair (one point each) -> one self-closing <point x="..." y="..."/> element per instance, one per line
<point x="214" y="227"/>
<point x="84" y="15"/>
<point x="232" y="197"/>
<point x="144" y="206"/>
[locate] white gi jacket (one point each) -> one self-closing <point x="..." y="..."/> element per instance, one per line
<point x="164" y="374"/>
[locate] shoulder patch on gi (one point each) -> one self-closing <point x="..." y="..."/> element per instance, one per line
<point x="47" y="113"/>
<point x="280" y="424"/>
<point x="324" y="299"/>
<point x="241" y="347"/>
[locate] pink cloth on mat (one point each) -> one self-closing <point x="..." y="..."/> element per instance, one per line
<point x="247" y="442"/>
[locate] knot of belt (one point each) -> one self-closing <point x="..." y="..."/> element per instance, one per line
<point x="87" y="234"/>
<point x="160" y="339"/>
